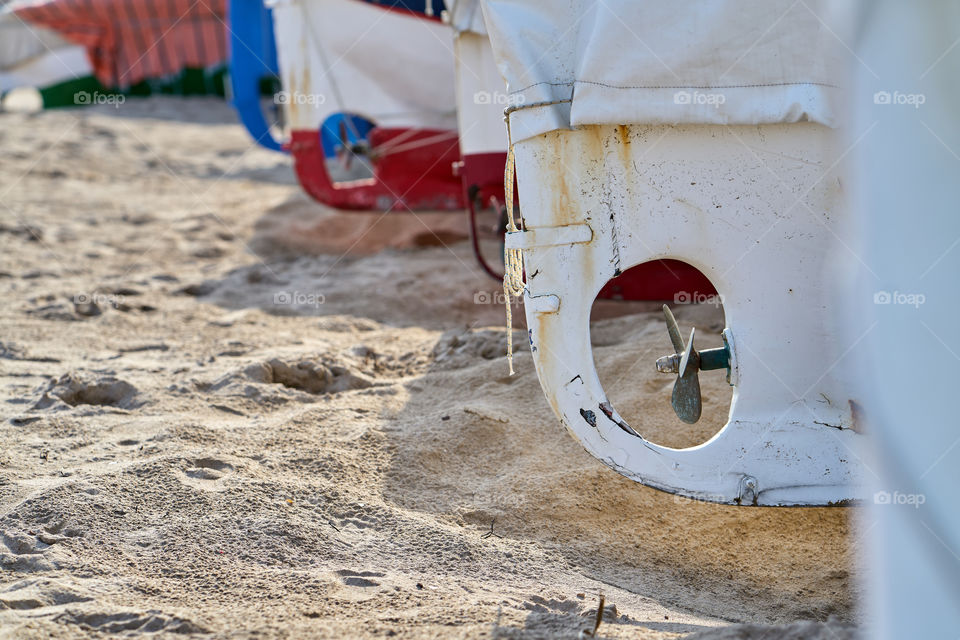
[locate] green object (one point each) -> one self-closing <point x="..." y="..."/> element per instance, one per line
<point x="718" y="358"/>
<point x="189" y="82"/>
<point x="63" y="94"/>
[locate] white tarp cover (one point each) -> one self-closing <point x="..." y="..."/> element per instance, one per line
<point x="20" y="42"/>
<point x="393" y="67"/>
<point x="465" y="15"/>
<point x="655" y="62"/>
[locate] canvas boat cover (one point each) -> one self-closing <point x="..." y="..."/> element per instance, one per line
<point x="391" y="66"/>
<point x="583" y="62"/>
<point x="465" y="15"/>
<point x="21" y="43"/>
<point x="131" y="40"/>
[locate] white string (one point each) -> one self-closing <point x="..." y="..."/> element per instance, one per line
<point x="512" y="258"/>
<point x="388" y="147"/>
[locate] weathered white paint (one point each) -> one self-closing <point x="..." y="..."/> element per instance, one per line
<point x="751" y="207"/>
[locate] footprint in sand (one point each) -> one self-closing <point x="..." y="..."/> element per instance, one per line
<point x="314" y="376"/>
<point x="24" y="551"/>
<point x="74" y="389"/>
<point x="557" y="614"/>
<point x="359" y="578"/>
<point x="129" y="622"/>
<point x="459" y="349"/>
<point x="543" y="605"/>
<point x="206" y="473"/>
<point x="37" y="593"/>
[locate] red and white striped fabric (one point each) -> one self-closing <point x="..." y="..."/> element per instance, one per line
<point x="130" y="40"/>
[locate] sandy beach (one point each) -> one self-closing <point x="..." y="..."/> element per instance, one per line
<point x="229" y="411"/>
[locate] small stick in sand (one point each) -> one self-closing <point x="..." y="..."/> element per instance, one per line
<point x="490" y="533"/>
<point x="586" y="633"/>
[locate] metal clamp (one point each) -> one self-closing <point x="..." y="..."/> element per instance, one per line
<point x="548" y="237"/>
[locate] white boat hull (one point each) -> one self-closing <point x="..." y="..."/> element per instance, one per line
<point x="751" y="208"/>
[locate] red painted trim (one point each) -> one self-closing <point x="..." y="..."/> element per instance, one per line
<point x="482" y="175"/>
<point x="417" y="179"/>
<point x="485" y="172"/>
<point x="484" y="169"/>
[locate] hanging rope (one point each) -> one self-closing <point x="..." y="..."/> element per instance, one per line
<point x="513" y="285"/>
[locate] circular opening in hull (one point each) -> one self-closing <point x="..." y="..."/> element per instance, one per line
<point x="629" y="334"/>
<point x="343" y="137"/>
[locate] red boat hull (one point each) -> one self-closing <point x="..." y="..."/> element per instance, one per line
<point x="416" y="179"/>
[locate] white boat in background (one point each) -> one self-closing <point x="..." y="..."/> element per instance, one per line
<point x="33" y="57"/>
<point x="633" y="145"/>
<point x="81" y="53"/>
<point x="481" y="99"/>
<point x="390" y="66"/>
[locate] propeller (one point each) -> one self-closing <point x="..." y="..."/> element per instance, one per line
<point x="687" y="363"/>
<point x="344" y="152"/>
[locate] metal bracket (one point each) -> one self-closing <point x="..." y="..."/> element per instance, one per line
<point x="542" y="304"/>
<point x="549" y="236"/>
<point x="749" y="490"/>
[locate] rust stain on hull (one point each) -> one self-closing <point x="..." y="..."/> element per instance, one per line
<point x="858" y="419"/>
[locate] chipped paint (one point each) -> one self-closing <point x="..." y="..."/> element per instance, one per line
<point x="590" y="417"/>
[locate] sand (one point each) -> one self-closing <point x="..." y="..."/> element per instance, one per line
<point x="229" y="411"/>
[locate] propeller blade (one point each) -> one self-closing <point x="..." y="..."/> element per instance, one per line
<point x="686" y="398"/>
<point x="674" y="330"/>
<point x="346" y="160"/>
<point x="686" y="354"/>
